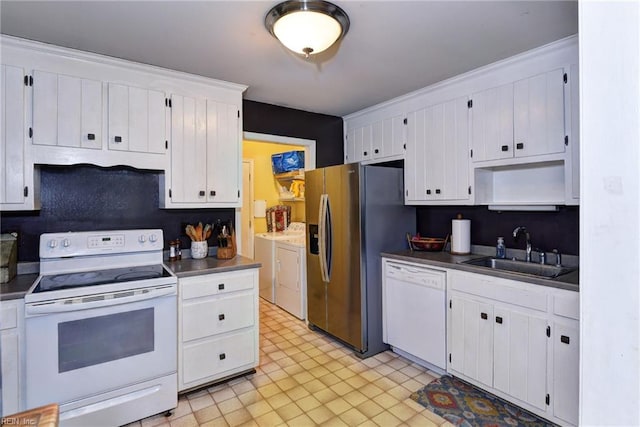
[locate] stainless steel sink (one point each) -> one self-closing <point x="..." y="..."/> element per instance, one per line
<point x="520" y="267"/>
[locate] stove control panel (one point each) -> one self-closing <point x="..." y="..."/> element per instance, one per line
<point x="59" y="245"/>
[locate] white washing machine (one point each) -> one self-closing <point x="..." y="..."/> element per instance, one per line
<point x="291" y="276"/>
<point x="265" y="248"/>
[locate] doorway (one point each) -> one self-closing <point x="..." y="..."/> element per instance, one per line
<point x="262" y="174"/>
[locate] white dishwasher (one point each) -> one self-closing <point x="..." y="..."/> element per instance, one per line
<point x="414" y="311"/>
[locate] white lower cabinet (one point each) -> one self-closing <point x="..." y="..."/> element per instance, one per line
<point x="217" y="327"/>
<point x="11" y="355"/>
<point x="516" y="340"/>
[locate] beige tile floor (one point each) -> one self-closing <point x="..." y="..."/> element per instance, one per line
<point x="308" y="379"/>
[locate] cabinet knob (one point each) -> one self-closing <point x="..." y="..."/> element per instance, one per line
<point x="484" y="316"/>
<point x="365" y="153"/>
<point x="564" y="339"/>
<point x="220" y="316"/>
<point x="519" y="146"/>
<point x="201" y="193"/>
<point x="499" y="319"/>
<point x="505" y="148"/>
<point x="222" y="356"/>
<point x="220" y="286"/>
<point x="428" y="191"/>
<point x="91" y="136"/>
<point x="117" y="139"/>
<point x="437" y="191"/>
<point x="376" y="151"/>
<point x="212" y="193"/>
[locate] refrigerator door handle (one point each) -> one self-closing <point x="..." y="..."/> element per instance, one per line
<point x="329" y="241"/>
<point x="322" y="230"/>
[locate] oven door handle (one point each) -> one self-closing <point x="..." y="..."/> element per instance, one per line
<point x="62" y="306"/>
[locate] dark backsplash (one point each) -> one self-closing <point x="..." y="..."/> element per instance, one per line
<point x="85" y="198"/>
<point x="549" y="230"/>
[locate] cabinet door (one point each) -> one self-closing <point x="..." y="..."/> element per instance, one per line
<point x="136" y="119"/>
<point x="10" y="358"/>
<point x="538" y="104"/>
<point x="350" y="147"/>
<point x="566" y="375"/>
<point x="415" y="170"/>
<point x="520" y="354"/>
<point x="492" y="123"/>
<point x="12" y="132"/>
<point x="223" y="153"/>
<point x="455" y="150"/>
<point x="394" y="131"/>
<point x="471" y="339"/>
<point x="188" y="149"/>
<point x="379" y="146"/>
<point x="67" y="111"/>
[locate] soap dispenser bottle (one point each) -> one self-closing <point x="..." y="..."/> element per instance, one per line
<point x="501" y="251"/>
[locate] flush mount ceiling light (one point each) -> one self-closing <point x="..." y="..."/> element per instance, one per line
<point x="307" y="27"/>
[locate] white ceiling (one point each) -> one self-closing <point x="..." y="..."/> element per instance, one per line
<point x="392" y="47"/>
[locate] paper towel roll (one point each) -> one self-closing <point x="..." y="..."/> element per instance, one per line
<point x="460" y="236"/>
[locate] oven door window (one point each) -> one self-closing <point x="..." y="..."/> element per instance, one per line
<point x="96" y="340"/>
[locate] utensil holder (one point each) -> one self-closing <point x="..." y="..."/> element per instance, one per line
<point x="230" y="251"/>
<point x="199" y="250"/>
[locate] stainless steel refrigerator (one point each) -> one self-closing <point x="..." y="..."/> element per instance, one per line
<point x="353" y="213"/>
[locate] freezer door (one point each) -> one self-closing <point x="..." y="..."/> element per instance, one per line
<point x="316" y="288"/>
<point x="344" y="293"/>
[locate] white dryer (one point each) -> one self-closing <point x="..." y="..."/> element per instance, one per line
<point x="265" y="247"/>
<point x="291" y="276"/>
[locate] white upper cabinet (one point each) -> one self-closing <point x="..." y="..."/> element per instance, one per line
<point x="380" y="139"/>
<point x="205" y="153"/>
<point x="520" y="119"/>
<point x="17" y="187"/>
<point x="136" y="119"/>
<point x="67" y="111"/>
<point x="437" y="160"/>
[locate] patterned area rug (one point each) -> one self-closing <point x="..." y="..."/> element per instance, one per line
<point x="464" y="405"/>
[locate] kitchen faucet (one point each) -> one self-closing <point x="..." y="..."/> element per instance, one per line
<point x="516" y="233"/>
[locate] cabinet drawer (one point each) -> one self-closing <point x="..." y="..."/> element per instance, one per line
<point x="214" y="315"/>
<point x="567" y="305"/>
<point x="509" y="291"/>
<point x="207" y="360"/>
<point x="215" y="284"/>
<point x="8" y="316"/>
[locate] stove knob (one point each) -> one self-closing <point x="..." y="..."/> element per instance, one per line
<point x="53" y="243"/>
<point x="142" y="238"/>
<point x="153" y="238"/>
<point x="66" y="243"/>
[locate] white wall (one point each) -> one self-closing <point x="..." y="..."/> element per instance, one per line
<point x="609" y="37"/>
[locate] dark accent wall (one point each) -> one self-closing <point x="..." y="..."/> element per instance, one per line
<point x="326" y="130"/>
<point x="549" y="230"/>
<point x="85" y="197"/>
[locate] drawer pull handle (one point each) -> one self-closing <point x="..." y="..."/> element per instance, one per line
<point x="564" y="339"/>
<point x="222" y="356"/>
<point x="91" y="136"/>
<point x="220" y="316"/>
<point x="499" y="319"/>
<point x="118" y="139"/>
<point x="221" y="286"/>
<point x="484" y="316"/>
<point x="505" y="148"/>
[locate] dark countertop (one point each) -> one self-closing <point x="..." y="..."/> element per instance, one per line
<point x="17" y="287"/>
<point x="195" y="267"/>
<point x="568" y="281"/>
